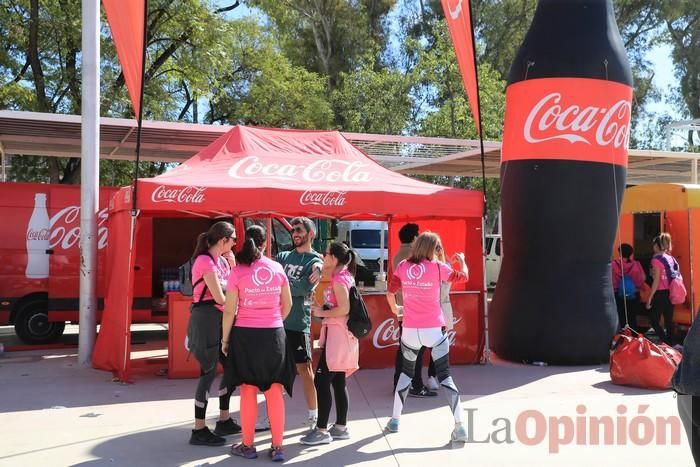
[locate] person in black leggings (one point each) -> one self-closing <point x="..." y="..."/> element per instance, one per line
<point x="659" y="301"/>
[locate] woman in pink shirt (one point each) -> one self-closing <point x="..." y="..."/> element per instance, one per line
<point x="340" y="355"/>
<point x="258" y="300"/>
<point x="419" y="278"/>
<point x="210" y="271"/>
<point x="659" y="301"/>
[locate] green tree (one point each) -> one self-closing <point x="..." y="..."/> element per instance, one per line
<point x="329" y="37"/>
<point x="371" y="101"/>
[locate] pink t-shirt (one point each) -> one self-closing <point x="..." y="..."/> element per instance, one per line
<point x="344" y="278"/>
<point x="420" y="286"/>
<point x="658" y="264"/>
<point x="202" y="265"/>
<point x="259" y="293"/>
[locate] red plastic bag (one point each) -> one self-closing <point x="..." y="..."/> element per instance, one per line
<point x="636" y="361"/>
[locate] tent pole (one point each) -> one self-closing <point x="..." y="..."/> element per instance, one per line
<point x="89" y="178"/>
<point x="486" y="357"/>
<point x="3" y="162"/>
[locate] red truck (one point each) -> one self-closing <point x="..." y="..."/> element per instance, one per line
<point x="40" y="257"/>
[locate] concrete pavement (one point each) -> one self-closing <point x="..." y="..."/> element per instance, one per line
<point x="54" y="413"/>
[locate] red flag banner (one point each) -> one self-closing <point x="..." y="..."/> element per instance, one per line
<point x="126" y="20"/>
<point x="458" y="16"/>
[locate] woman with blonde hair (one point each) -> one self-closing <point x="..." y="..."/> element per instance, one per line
<point x="419" y="278"/>
<point x="659" y="302"/>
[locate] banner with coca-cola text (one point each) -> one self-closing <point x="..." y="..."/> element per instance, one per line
<point x="567" y="119"/>
<point x="378" y="350"/>
<point x="458" y="16"/>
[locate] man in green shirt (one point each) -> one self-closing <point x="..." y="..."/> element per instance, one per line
<point x="303" y="268"/>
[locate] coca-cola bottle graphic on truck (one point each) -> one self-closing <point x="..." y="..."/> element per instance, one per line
<point x="38" y="240"/>
<point x="563" y="171"/>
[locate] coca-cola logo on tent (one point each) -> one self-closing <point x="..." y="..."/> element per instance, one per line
<point x="318" y="171"/>
<point x="187" y="194"/>
<point x="388" y="334"/>
<point x="555" y="117"/>
<point x="322" y="198"/>
<point x="65" y="228"/>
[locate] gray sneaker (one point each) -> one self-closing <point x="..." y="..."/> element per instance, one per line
<point x="459" y="434"/>
<point x="315" y="437"/>
<point x="337" y="433"/>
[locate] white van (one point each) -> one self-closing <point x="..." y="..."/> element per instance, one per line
<point x="365" y="237"/>
<point x="493" y="259"/>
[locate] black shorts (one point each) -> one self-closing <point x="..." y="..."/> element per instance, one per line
<point x="299" y="344"/>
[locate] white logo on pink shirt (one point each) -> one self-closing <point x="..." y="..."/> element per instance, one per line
<point x="263" y="276"/>
<point x="415" y="271"/>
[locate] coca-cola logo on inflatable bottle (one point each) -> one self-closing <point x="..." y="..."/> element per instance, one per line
<point x="187" y="194"/>
<point x="319" y="171"/>
<point x="584" y="119"/>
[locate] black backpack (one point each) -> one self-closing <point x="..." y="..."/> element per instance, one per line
<point x="359" y="323"/>
<point x="184" y="273"/>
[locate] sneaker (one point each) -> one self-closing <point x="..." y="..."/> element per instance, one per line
<point x="393" y="425"/>
<point x="227" y="427"/>
<point x="276" y="454"/>
<point x="263" y="425"/>
<point x="311" y="422"/>
<point x="337" y="433"/>
<point x="204" y="437"/>
<point x="459" y="433"/>
<point x="423" y="392"/>
<point x="249" y="452"/>
<point x="433" y="384"/>
<point x="315" y="437"/>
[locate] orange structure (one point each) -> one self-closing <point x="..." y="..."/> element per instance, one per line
<point x="650" y="209"/>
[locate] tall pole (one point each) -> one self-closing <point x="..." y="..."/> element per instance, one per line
<point x="89" y="177"/>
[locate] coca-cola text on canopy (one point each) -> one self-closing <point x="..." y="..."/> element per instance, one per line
<point x="318" y="171"/>
<point x="187" y="194"/>
<point x="567" y="118"/>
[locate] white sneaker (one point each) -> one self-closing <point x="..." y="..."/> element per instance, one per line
<point x="433" y="384"/>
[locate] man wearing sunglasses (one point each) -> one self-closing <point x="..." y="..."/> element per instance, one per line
<point x="303" y="268"/>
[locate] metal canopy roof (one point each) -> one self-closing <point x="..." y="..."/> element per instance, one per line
<point x="42" y="134"/>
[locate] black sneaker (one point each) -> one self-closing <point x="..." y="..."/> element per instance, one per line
<point x="204" y="437"/>
<point x="228" y="427"/>
<point x="423" y="392"/>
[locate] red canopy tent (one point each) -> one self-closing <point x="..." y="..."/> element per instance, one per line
<point x="255" y="171"/>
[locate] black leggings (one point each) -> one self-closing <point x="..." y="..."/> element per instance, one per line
<point x="201" y="397"/>
<point x="323" y="380"/>
<point x="661" y="306"/>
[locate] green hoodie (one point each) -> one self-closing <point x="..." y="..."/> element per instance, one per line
<point x="298" y="266"/>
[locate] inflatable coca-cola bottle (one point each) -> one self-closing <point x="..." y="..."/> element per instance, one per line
<point x="563" y="170"/>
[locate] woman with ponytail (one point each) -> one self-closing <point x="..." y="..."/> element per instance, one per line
<point x="211" y="267"/>
<point x="340" y="354"/>
<point x="258" y="300"/>
<point x="659" y="301"/>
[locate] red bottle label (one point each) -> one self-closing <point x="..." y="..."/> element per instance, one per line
<point x="567" y="119"/>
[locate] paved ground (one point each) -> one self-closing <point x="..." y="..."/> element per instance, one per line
<point x="54" y="413"/>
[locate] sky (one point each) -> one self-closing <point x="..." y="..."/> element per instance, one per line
<point x="659" y="56"/>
